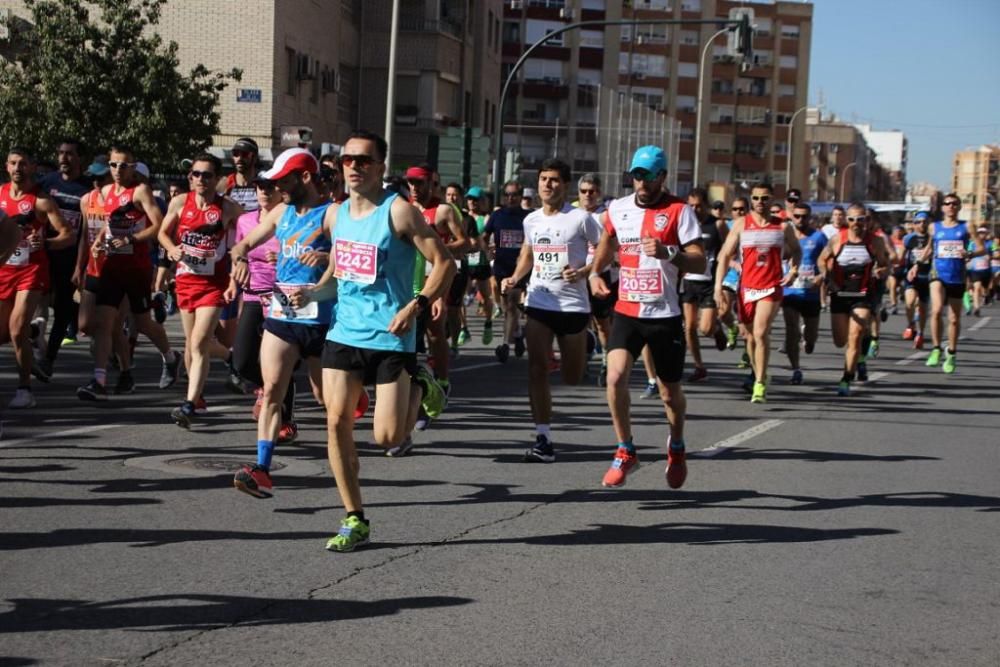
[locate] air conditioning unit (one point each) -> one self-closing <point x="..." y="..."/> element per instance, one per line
<point x="639" y="76"/>
<point x="566" y="13"/>
<point x="516" y="5"/>
<point x="330" y="79"/>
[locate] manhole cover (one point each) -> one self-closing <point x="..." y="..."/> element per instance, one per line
<point x="219" y="464"/>
<point x="211" y="465"/>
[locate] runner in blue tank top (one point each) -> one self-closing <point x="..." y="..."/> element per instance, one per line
<point x="376" y="237"/>
<point x="948" y="254"/>
<point x="292" y="331"/>
<point x="801" y="302"/>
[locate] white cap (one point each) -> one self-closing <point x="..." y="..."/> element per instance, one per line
<point x="292" y="160"/>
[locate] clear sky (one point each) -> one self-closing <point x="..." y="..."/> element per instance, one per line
<point x="930" y="68"/>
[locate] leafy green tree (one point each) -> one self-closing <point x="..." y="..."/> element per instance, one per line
<point x="97" y="70"/>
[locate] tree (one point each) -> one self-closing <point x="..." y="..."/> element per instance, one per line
<point x="105" y="79"/>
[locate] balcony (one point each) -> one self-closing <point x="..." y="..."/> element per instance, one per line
<point x="411" y="24"/>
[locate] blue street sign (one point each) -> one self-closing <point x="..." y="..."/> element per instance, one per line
<point x="252" y="95"/>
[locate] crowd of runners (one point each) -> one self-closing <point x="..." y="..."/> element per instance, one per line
<point x="331" y="268"/>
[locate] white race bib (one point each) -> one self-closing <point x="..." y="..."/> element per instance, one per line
<point x="281" y="309"/>
<point x="20" y="255"/>
<point x="197" y="261"/>
<point x="951" y="250"/>
<point x="550" y="260"/>
<point x="751" y="295"/>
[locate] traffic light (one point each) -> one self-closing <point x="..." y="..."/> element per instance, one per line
<point x="512" y="165"/>
<point x="744" y="41"/>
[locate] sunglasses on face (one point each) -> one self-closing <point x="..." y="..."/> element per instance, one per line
<point x="739" y="209"/>
<point x="857" y="218"/>
<point x="357" y="161"/>
<point x="760" y="197"/>
<point x="792" y="199"/>
<point x="587" y="192"/>
<point x="799" y="216"/>
<point x="415" y="182"/>
<point x="951" y="203"/>
<point x="643" y="175"/>
<point x="241" y="153"/>
<point x="204" y="175"/>
<point x="120" y="165"/>
<point x="513" y="193"/>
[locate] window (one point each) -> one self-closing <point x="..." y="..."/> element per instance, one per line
<point x="540" y="70"/>
<point x="835" y="148"/>
<point x="689" y="37"/>
<point x="762" y="26"/>
<point x="347" y="98"/>
<point x="643" y="65"/>
<point x="691" y="5"/>
<point x="686" y="103"/>
<point x="722" y="86"/>
<point x="790" y="31"/>
<point x="512" y="32"/>
<point x="722" y="114"/>
<point x="781" y="148"/>
<point x="720" y="143"/>
<point x="786" y="90"/>
<point x="592" y="38"/>
<point x="832" y="171"/>
<point x="789" y="62"/>
<point x="689" y="70"/>
<point x="534" y="30"/>
<point x="292" y="84"/>
<point x="687" y="134"/>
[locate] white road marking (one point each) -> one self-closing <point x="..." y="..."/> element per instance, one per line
<point x="83" y="430"/>
<point x="732" y="441"/>
<point x="473" y="367"/>
<point x="979" y="325"/>
<point x="906" y="361"/>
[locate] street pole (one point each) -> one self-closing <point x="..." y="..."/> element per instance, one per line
<point x="498" y="139"/>
<point x="843" y="179"/>
<point x="788" y="160"/>
<point x="390" y="96"/>
<point x="698" y="104"/>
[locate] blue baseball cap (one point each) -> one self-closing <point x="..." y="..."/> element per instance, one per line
<point x="650" y="158"/>
<point x="922" y="215"/>
<point x="99" y="167"/>
<point x="475" y="192"/>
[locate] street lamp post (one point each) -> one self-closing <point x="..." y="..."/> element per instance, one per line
<point x="390" y="97"/>
<point x="788" y="161"/>
<point x="701" y="87"/>
<point x="843" y="179"/>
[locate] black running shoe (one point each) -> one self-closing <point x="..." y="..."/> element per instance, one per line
<point x="542" y="452"/>
<point x="184" y="415"/>
<point x="92" y="391"/>
<point x="125" y="385"/>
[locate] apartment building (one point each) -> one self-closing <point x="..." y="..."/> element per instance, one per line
<point x="745" y="114"/>
<point x="976" y="179"/>
<point x="321" y="67"/>
<point x="842" y="166"/>
<point x="892" y="152"/>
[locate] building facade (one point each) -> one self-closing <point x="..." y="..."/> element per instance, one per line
<point x="321" y="66"/>
<point x="745" y="114"/>
<point x="892" y="152"/>
<point x="976" y="179"/>
<point x="842" y="166"/>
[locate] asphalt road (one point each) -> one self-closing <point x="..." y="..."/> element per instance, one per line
<point x="814" y="530"/>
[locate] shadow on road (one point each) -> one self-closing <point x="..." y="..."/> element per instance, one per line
<point x="199" y="612"/>
<point x="746" y="453"/>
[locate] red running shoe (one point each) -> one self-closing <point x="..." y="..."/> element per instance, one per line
<point x="254" y="480"/>
<point x="288" y="433"/>
<point x="259" y="393"/>
<point x="200" y="406"/>
<point x="908" y="333"/>
<point x="623" y="463"/>
<point x="677" y="470"/>
<point x="362" y="406"/>
<point x="918" y="342"/>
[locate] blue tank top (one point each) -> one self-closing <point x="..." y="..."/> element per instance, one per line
<point x="374" y="279"/>
<point x="949" y="253"/>
<point x="802" y="287"/>
<point x="981" y="263"/>
<point x="298" y="234"/>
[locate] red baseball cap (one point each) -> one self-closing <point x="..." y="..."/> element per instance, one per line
<point x="291" y="161"/>
<point x="418" y="173"/>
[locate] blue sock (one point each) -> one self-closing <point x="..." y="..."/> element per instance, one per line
<point x="265" y="448"/>
<point x="628" y="445"/>
<point x="676" y="444"/>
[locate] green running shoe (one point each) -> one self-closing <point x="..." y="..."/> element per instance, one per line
<point x="872" y="350"/>
<point x="487" y="333"/>
<point x="759" y="393"/>
<point x="934" y="358"/>
<point x="434" y="399"/>
<point x="967" y="302"/>
<point x="353" y="533"/>
<point x="731" y="333"/>
<point x="844" y="388"/>
<point x="949" y="363"/>
<point x="744" y="361"/>
<point x="463" y="336"/>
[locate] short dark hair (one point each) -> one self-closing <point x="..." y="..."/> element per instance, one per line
<point x="73" y="141"/>
<point x="211" y="159"/>
<point x="180" y="184"/>
<point x="763" y="185"/>
<point x="516" y="184"/>
<point x="805" y="206"/>
<point x="22" y="152"/>
<point x="858" y="205"/>
<point x="840" y="208"/>
<point x="954" y="195"/>
<point x="555" y="164"/>
<point x="330" y="157"/>
<point x="457" y="186"/>
<point x="740" y="199"/>
<point x="123" y="149"/>
<point x="700" y="193"/>
<point x="381" y="147"/>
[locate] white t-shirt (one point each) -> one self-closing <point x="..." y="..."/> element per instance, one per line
<point x="558" y="241"/>
<point x="830" y="230"/>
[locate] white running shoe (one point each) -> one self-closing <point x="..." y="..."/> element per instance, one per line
<point x="23" y="398"/>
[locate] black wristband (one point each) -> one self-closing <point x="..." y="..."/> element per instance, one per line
<point x="422" y="302"/>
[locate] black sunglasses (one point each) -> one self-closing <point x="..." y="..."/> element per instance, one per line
<point x="202" y="174"/>
<point x="760" y="197"/>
